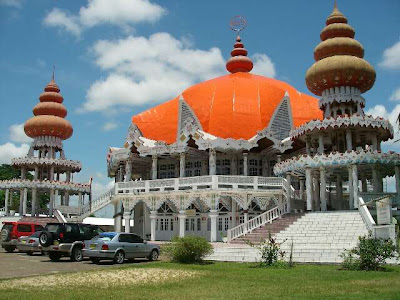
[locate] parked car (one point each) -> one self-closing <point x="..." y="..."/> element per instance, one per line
<point x="66" y="239"/>
<point x="29" y="244"/>
<point x="118" y="246"/>
<point x="12" y="231"/>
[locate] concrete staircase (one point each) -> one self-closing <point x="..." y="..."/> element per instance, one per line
<point x="262" y="233"/>
<point x="318" y="237"/>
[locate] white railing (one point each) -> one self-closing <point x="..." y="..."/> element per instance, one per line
<point x="366" y="215"/>
<point x="256" y="222"/>
<point x="59" y="216"/>
<point x="377" y="231"/>
<point x="200" y="182"/>
<point x="98" y="203"/>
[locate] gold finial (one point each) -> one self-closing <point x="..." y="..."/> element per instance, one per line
<point x="335" y="5"/>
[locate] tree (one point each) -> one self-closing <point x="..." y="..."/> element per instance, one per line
<point x="7" y="172"/>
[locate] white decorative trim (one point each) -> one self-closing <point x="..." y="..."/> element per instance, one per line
<point x="45" y="184"/>
<point x="134" y="134"/>
<point x="336" y="159"/>
<point x="71" y="165"/>
<point x="188" y="122"/>
<point x="343" y="121"/>
<point x="47" y="141"/>
<point x="343" y="94"/>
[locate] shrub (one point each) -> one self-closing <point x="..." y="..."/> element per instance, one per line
<point x="188" y="249"/>
<point x="370" y="254"/>
<point x="270" y="250"/>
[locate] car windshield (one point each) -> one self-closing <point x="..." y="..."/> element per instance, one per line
<point x="36" y="234"/>
<point x="106" y="236"/>
<point x="53" y="228"/>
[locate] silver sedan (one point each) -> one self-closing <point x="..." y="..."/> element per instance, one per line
<point x="29" y="244"/>
<point x="118" y="246"/>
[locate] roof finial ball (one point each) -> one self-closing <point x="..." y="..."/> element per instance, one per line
<point x="238" y="62"/>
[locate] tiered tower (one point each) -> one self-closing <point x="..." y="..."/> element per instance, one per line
<point x="46" y="159"/>
<point x="346" y="145"/>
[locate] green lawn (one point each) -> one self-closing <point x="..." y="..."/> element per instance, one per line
<point x="234" y="281"/>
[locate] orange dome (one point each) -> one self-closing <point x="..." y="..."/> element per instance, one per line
<point x="232" y="106"/>
<point x="49" y="115"/>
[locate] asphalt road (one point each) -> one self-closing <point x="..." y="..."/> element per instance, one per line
<point x="21" y="265"/>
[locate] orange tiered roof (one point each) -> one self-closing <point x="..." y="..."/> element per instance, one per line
<point x="232" y="106"/>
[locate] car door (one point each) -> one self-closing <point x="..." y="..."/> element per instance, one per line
<point x="139" y="246"/>
<point x="124" y="243"/>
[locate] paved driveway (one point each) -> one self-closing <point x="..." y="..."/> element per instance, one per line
<point x="21" y="265"/>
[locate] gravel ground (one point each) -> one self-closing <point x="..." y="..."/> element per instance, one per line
<point x="13" y="265"/>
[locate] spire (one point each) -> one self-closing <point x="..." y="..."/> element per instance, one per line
<point x="54" y="70"/>
<point x="239" y="62"/>
<point x="339" y="58"/>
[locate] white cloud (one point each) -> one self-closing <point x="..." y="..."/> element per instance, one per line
<point x="395" y="95"/>
<point x="99" y="188"/>
<point x="263" y="65"/>
<point x="64" y="20"/>
<point x="122" y="13"/>
<point x="154" y="69"/>
<point x="10" y="150"/>
<point x="13" y="3"/>
<point x="17" y="134"/>
<point x="108" y="126"/>
<point x="391" y="57"/>
<point x="392" y="116"/>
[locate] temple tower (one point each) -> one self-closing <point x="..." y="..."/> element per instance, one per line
<point x="46" y="160"/>
<point x="344" y="148"/>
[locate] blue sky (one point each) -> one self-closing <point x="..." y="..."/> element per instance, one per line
<point x="116" y="58"/>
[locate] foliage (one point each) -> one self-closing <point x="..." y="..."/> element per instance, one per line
<point x="271" y="253"/>
<point x="370" y="254"/>
<point x="7" y="172"/>
<point x="188" y="249"/>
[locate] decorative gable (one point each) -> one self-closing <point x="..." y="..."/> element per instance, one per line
<point x="281" y="122"/>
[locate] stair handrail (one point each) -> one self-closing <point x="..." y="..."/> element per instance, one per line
<point x="256" y="222"/>
<point x="366" y="215"/>
<point x="59" y="216"/>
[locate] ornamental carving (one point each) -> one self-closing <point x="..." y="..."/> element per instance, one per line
<point x="45" y="184"/>
<point x="71" y="165"/>
<point x="343" y="121"/>
<point x="336" y="159"/>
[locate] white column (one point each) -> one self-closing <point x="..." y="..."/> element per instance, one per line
<point x="68" y="176"/>
<point x="212" y="162"/>
<point x="234" y="209"/>
<point x="25" y="198"/>
<point x="351" y="192"/>
<point x="316" y="197"/>
<point x="355" y="185"/>
<point x="154" y="167"/>
<point x="349" y="140"/>
<point x="56" y="197"/>
<point x="397" y="178"/>
<point x="128" y="170"/>
<point x="289" y="190"/>
<point x="127" y="218"/>
<point x="322" y="191"/>
<point x="117" y="218"/>
<point x="320" y="144"/>
<point x="308" y="145"/>
<point x="302" y="188"/>
<point x="21" y="201"/>
<point x="309" y="189"/>
<point x="7" y="195"/>
<point x="376" y="180"/>
<point x="234" y="165"/>
<point x="213" y="216"/>
<point x="364" y="186"/>
<point x="245" y="216"/>
<point x="80" y="200"/>
<point x="153" y="218"/>
<point x="182" y="219"/>
<point x="182" y="164"/>
<point x="245" y="164"/>
<point x="51" y="177"/>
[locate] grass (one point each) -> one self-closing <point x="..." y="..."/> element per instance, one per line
<point x="226" y="281"/>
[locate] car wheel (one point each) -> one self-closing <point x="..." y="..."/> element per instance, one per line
<point x="54" y="256"/>
<point x="45" y="239"/>
<point x="119" y="257"/>
<point x="5" y="235"/>
<point x="95" y="260"/>
<point x="9" y="249"/>
<point x="77" y="254"/>
<point x="153" y="255"/>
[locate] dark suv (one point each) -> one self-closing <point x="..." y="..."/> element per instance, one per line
<point x="66" y="239"/>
